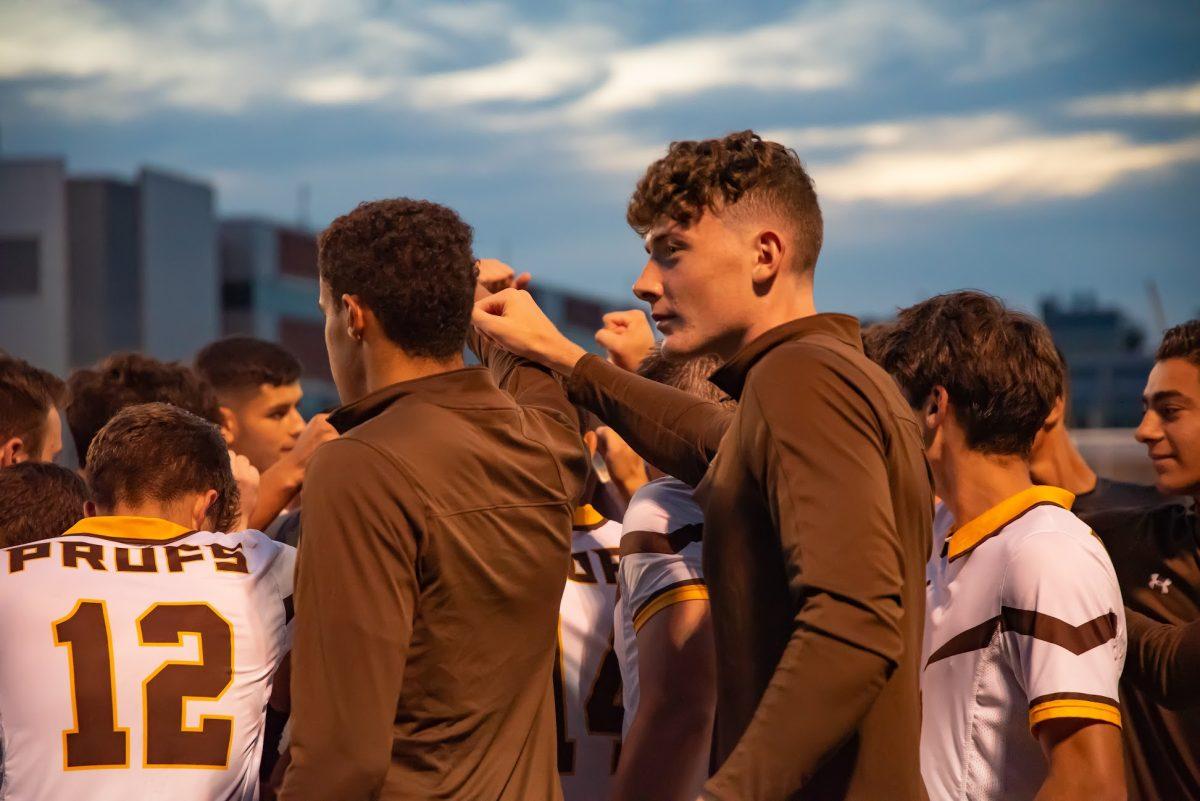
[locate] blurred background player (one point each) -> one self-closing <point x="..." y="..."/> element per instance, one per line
<point x="31" y="400"/>
<point x="39" y="500"/>
<point x="1156" y="553"/>
<point x="258" y="388"/>
<point x="1024" y="632"/>
<point x="148" y="638"/>
<point x="663" y="628"/>
<point x="437" y="533"/>
<point x="97" y="393"/>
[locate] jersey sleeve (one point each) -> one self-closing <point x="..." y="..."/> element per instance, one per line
<point x="651" y="582"/>
<point x="1064" y="628"/>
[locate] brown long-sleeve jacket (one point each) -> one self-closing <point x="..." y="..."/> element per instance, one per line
<point x="818" y="512"/>
<point x="436" y="541"/>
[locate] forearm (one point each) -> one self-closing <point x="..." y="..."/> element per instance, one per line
<point x="673" y="430"/>
<point x="817" y="679"/>
<point x="1164" y="660"/>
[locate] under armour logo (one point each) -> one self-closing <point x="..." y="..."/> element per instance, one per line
<point x="1160" y="584"/>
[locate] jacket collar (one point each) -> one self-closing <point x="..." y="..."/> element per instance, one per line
<point x="465" y="387"/>
<point x="128" y="527"/>
<point x="731" y="378"/>
<point x="967" y="537"/>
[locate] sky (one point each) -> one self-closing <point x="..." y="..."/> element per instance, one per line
<point x="1023" y="148"/>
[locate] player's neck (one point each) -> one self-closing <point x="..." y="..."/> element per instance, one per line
<point x="1060" y="464"/>
<point x="171" y="512"/>
<point x="970" y="483"/>
<point x="390" y="365"/>
<point x="792" y="301"/>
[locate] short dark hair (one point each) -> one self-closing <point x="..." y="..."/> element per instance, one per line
<point x="999" y="366"/>
<point x="410" y="262"/>
<point x="125" y="379"/>
<point x="714" y="174"/>
<point x="688" y="374"/>
<point x="38" y="500"/>
<point x="1181" y="342"/>
<point x="26" y="395"/>
<point x="238" y="363"/>
<point x="158" y="452"/>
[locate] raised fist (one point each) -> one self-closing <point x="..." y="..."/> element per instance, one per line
<point x="627" y="337"/>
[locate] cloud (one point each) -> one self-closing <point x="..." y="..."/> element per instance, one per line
<point x="1166" y="101"/>
<point x="993" y="158"/>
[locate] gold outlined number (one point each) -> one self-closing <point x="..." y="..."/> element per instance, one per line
<point x="96" y="741"/>
<point x="602" y="711"/>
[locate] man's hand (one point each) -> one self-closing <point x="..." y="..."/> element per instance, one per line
<point x="245" y="475"/>
<point x="514" y="321"/>
<point x="627" y="337"/>
<point x="282" y="480"/>
<point x="316" y="433"/>
<point x="626" y="468"/>
<point x="495" y="276"/>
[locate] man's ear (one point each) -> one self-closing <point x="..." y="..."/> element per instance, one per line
<point x="12" y="452"/>
<point x="1057" y="411"/>
<point x="936" y="407"/>
<point x="201" y="507"/>
<point x="769" y="256"/>
<point x="356" y="317"/>
<point x="229" y="425"/>
<point x="89" y="509"/>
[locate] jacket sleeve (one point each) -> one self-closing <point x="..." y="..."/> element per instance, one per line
<point x="673" y="430"/>
<point x="530" y="384"/>
<point x="825" y="475"/>
<point x="1163" y="660"/>
<point x="356" y="590"/>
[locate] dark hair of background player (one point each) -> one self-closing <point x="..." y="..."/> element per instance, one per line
<point x="124" y="379"/>
<point x="239" y="363"/>
<point x="158" y="452"/>
<point x="38" y="500"/>
<point x="26" y="395"/>
<point x="690" y="375"/>
<point x="409" y="262"/>
<point x="1181" y="342"/>
<point x="714" y="174"/>
<point x="999" y="367"/>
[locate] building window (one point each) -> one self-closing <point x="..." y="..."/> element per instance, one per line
<point x="19" y="267"/>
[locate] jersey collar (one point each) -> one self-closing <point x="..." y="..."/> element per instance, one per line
<point x="128" y="527"/>
<point x="587" y="518"/>
<point x="968" y="536"/>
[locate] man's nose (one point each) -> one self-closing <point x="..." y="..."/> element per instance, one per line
<point x="648" y="286"/>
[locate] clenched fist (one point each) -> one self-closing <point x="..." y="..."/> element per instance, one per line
<point x="514" y="321"/>
<point x="627" y="337"/>
<point x="495" y="275"/>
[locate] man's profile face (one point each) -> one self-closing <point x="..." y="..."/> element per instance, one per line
<point x="1170" y="427"/>
<point x="697" y="282"/>
<point x="268" y="423"/>
<point x="344" y="360"/>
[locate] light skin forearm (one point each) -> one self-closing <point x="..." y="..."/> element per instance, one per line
<point x="276" y="489"/>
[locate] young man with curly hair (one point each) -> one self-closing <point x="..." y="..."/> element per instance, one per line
<point x="437" y="533"/>
<point x="816" y="496"/>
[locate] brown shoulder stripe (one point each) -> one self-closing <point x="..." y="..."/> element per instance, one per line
<point x="1095" y="699"/>
<point x="132" y="540"/>
<point x="1047" y="628"/>
<point x="659" y="542"/>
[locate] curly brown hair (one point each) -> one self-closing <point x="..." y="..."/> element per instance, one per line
<point x="410" y="262"/>
<point x="740" y="169"/>
<point x="159" y="452"/>
<point x="999" y="366"/>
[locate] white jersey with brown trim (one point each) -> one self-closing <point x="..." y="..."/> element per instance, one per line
<point x="660" y="566"/>
<point x="145" y="661"/>
<point x="587" y="680"/>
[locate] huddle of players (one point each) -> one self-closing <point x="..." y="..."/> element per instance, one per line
<point x="794" y="618"/>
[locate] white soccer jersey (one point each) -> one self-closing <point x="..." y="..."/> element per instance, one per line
<point x="660" y="566"/>
<point x="587" y="681"/>
<point x="1024" y="623"/>
<point x="138" y="661"/>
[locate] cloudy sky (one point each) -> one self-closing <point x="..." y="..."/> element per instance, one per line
<point x="1024" y="148"/>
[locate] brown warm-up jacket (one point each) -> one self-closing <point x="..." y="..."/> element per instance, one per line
<point x="817" y="517"/>
<point x="437" y="536"/>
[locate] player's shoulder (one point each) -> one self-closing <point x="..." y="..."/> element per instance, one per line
<point x="1052" y="548"/>
<point x="260" y="551"/>
<point x="1048" y="531"/>
<point x="661" y="506"/>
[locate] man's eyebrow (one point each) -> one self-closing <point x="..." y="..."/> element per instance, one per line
<point x="1164" y="395"/>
